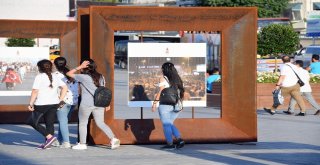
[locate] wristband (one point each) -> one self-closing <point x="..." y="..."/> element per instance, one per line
<point x="277" y="85"/>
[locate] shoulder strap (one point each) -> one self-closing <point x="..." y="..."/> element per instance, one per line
<point x="294" y="72"/>
<point x="86" y="88"/>
<point x="104" y="81"/>
<point x="166" y="78"/>
<point x="178" y="90"/>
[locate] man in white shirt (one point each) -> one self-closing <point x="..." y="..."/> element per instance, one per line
<point x="305" y="90"/>
<point x="289" y="86"/>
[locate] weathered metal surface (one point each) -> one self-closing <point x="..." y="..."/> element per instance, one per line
<point x="238" y="29"/>
<point x="66" y="31"/>
<point x="35" y="28"/>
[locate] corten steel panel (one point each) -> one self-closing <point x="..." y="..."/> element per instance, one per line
<point x="35" y="28"/>
<point x="64" y="30"/>
<point x="68" y="44"/>
<point x="238" y="28"/>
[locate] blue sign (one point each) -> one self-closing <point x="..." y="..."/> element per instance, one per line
<point x="313" y="26"/>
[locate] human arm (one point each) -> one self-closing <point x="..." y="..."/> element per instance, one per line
<point x="107" y="108"/>
<point x="280" y="80"/>
<point x="63" y="92"/>
<point x="34" y="94"/>
<point x="72" y="72"/>
<point x="308" y="68"/>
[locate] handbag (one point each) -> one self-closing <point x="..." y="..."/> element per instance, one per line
<point x="179" y="106"/>
<point x="300" y="82"/>
<point x="169" y="96"/>
<point x="278" y="99"/>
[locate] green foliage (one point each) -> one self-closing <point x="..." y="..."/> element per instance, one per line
<point x="266" y="8"/>
<point x="267" y="77"/>
<point x="277" y="39"/>
<point x="314" y="78"/>
<point x="20" y="42"/>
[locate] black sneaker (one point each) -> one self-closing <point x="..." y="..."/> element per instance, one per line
<point x="288" y="112"/>
<point x="317" y="113"/>
<point x="180" y="143"/>
<point x="269" y="111"/>
<point x="168" y="147"/>
<point x="301" y="114"/>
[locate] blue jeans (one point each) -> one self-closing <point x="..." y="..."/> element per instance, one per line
<point x="63" y="115"/>
<point x="167" y="117"/>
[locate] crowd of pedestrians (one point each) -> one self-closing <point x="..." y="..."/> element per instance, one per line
<point x="55" y="93"/>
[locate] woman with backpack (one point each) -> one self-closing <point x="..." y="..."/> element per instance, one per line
<point x="70" y="100"/>
<point x="90" y="80"/>
<point x="166" y="112"/>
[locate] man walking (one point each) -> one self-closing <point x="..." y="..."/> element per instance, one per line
<point x="314" y="67"/>
<point x="289" y="86"/>
<point x="305" y="90"/>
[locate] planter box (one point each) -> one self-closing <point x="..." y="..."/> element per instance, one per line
<point x="264" y="96"/>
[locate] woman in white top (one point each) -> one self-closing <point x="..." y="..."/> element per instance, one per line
<point x="166" y="113"/>
<point x="45" y="100"/>
<point x="71" y="100"/>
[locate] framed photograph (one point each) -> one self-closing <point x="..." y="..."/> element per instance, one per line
<point x="18" y="68"/>
<point x="144" y="71"/>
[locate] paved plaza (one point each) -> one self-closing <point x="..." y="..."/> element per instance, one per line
<point x="282" y="139"/>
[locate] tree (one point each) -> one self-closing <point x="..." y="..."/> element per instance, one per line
<point x="276" y="39"/>
<point x="266" y="8"/>
<point x="20" y="42"/>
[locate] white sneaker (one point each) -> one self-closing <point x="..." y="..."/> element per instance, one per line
<point x="115" y="143"/>
<point x="80" y="147"/>
<point x="55" y="143"/>
<point x="65" y="145"/>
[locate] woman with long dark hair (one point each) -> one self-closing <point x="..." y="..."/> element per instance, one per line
<point x="45" y="100"/>
<point x="89" y="80"/>
<point x="167" y="115"/>
<point x="71" y="100"/>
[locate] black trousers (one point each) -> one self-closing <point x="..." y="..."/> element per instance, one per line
<point x="48" y="113"/>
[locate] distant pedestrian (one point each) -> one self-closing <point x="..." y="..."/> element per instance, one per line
<point x="166" y="113"/>
<point x="289" y="86"/>
<point x="213" y="76"/>
<point x="11" y="78"/>
<point x="314" y="67"/>
<point x="305" y="90"/>
<point x="89" y="80"/>
<point x="45" y="100"/>
<point x="70" y="100"/>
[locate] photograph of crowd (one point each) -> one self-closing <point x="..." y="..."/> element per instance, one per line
<point x="18" y="68"/>
<point x="145" y="72"/>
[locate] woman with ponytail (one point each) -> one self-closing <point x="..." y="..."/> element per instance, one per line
<point x="45" y="100"/>
<point x="167" y="115"/>
<point x="89" y="80"/>
<point x="70" y="100"/>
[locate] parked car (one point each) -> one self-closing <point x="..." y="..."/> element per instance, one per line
<point x="305" y="54"/>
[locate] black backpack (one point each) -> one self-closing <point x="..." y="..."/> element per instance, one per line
<point x="102" y="96"/>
